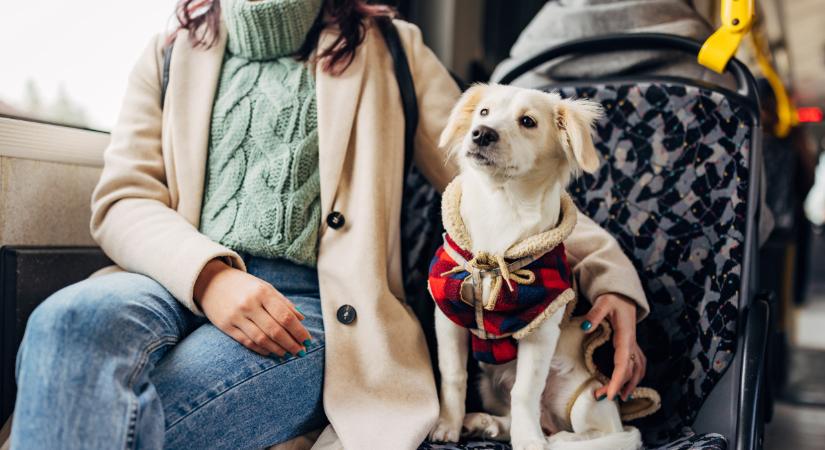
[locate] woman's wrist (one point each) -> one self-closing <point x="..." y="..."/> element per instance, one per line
<point x="208" y="273"/>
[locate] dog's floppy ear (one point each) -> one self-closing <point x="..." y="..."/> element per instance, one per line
<point x="575" y="120"/>
<point x="461" y="117"/>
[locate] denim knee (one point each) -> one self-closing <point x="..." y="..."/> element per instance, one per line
<point x="109" y="310"/>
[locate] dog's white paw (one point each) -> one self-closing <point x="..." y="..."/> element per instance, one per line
<point x="530" y="445"/>
<point x="446" y="430"/>
<point x="483" y="425"/>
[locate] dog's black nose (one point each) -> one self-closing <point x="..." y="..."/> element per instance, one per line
<point x="484" y="136"/>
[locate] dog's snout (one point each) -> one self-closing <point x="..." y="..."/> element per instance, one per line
<point x="484" y="136"/>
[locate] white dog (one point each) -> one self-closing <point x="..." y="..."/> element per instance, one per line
<point x="517" y="149"/>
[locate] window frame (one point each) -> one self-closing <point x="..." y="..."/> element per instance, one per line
<point x="45" y="141"/>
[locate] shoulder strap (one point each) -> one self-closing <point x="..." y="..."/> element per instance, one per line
<point x="405" y="85"/>
<point x="167" y="61"/>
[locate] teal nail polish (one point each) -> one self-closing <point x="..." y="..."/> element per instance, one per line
<point x="586" y="325"/>
<point x="301" y="354"/>
<point x="307" y="343"/>
<point x="299" y="310"/>
<point x="287" y="355"/>
<point x="629" y="397"/>
<point x="602" y="397"/>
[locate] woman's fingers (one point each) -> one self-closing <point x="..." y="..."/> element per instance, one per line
<point x="273" y="330"/>
<point x="622" y="366"/>
<point x="627" y="372"/>
<point x="286" y="302"/>
<point x="621" y="373"/>
<point x="237" y="334"/>
<point x="637" y="373"/>
<point x="595" y="316"/>
<point x="257" y="335"/>
<point x="620" y="376"/>
<point x="282" y="310"/>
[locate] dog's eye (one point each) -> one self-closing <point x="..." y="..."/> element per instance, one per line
<point x="484" y="112"/>
<point x="527" y="122"/>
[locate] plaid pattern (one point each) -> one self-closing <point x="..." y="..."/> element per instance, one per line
<point x="513" y="310"/>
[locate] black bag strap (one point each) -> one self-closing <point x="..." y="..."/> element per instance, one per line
<point x="403" y="76"/>
<point x="406" y="87"/>
<point x="167" y="61"/>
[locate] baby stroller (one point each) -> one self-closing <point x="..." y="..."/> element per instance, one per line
<point x="678" y="187"/>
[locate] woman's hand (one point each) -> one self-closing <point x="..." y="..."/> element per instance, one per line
<point x="250" y="310"/>
<point x="629" y="363"/>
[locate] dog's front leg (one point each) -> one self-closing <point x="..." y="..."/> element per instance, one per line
<point x="535" y="352"/>
<point x="452" y="363"/>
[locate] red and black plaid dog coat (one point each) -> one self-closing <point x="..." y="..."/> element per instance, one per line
<point x="539" y="288"/>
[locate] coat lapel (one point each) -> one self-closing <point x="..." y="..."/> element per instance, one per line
<point x="194" y="76"/>
<point x="338" y="97"/>
<point x="193" y="81"/>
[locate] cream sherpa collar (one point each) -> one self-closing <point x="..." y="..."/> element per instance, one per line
<point x="534" y="245"/>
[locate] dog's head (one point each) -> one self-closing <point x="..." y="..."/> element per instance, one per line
<point x="511" y="133"/>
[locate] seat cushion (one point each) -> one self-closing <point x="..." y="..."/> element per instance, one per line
<point x="468" y="445"/>
<point x="709" y="441"/>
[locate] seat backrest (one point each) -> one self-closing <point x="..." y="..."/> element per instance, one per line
<point x="673" y="189"/>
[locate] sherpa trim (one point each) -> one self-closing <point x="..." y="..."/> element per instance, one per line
<point x="565" y="298"/>
<point x="538" y="244"/>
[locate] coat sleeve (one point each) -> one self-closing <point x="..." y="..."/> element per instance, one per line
<point x="132" y="217"/>
<point x="596" y="258"/>
<point x="600" y="265"/>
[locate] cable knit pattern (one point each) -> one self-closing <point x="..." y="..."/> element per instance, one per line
<point x="262" y="193"/>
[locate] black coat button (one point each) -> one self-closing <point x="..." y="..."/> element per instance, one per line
<point x="346" y="314"/>
<point x="336" y="220"/>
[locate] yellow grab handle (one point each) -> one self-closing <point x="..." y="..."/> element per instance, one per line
<point x="719" y="48"/>
<point x="785" y="110"/>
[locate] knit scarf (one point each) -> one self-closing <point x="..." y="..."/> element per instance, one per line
<point x="268" y="29"/>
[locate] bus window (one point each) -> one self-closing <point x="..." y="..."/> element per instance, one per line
<point x="67" y="62"/>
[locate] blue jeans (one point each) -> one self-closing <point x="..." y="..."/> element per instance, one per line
<point x="116" y="362"/>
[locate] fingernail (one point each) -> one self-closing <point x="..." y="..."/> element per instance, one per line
<point x="307" y="343"/>
<point x="629" y="397"/>
<point x="297" y="308"/>
<point x="602" y="397"/>
<point x="287" y="355"/>
<point x="586" y="325"/>
<point x="301" y="354"/>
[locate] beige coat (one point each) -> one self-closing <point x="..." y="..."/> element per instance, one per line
<point x="379" y="391"/>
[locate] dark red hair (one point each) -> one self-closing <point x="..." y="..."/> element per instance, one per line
<point x="202" y="19"/>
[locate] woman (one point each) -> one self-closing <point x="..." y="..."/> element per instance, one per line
<point x="254" y="220"/>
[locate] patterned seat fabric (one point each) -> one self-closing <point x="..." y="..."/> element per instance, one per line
<point x="672" y="189"/>
<point x="710" y="441"/>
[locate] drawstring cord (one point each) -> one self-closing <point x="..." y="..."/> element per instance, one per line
<point x="485" y="263"/>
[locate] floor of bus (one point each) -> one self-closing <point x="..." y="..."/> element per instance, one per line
<point x="800" y="425"/>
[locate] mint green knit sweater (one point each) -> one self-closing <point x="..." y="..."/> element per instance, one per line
<point x="262" y="192"/>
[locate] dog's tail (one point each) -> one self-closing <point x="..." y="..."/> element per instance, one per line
<point x="628" y="439"/>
